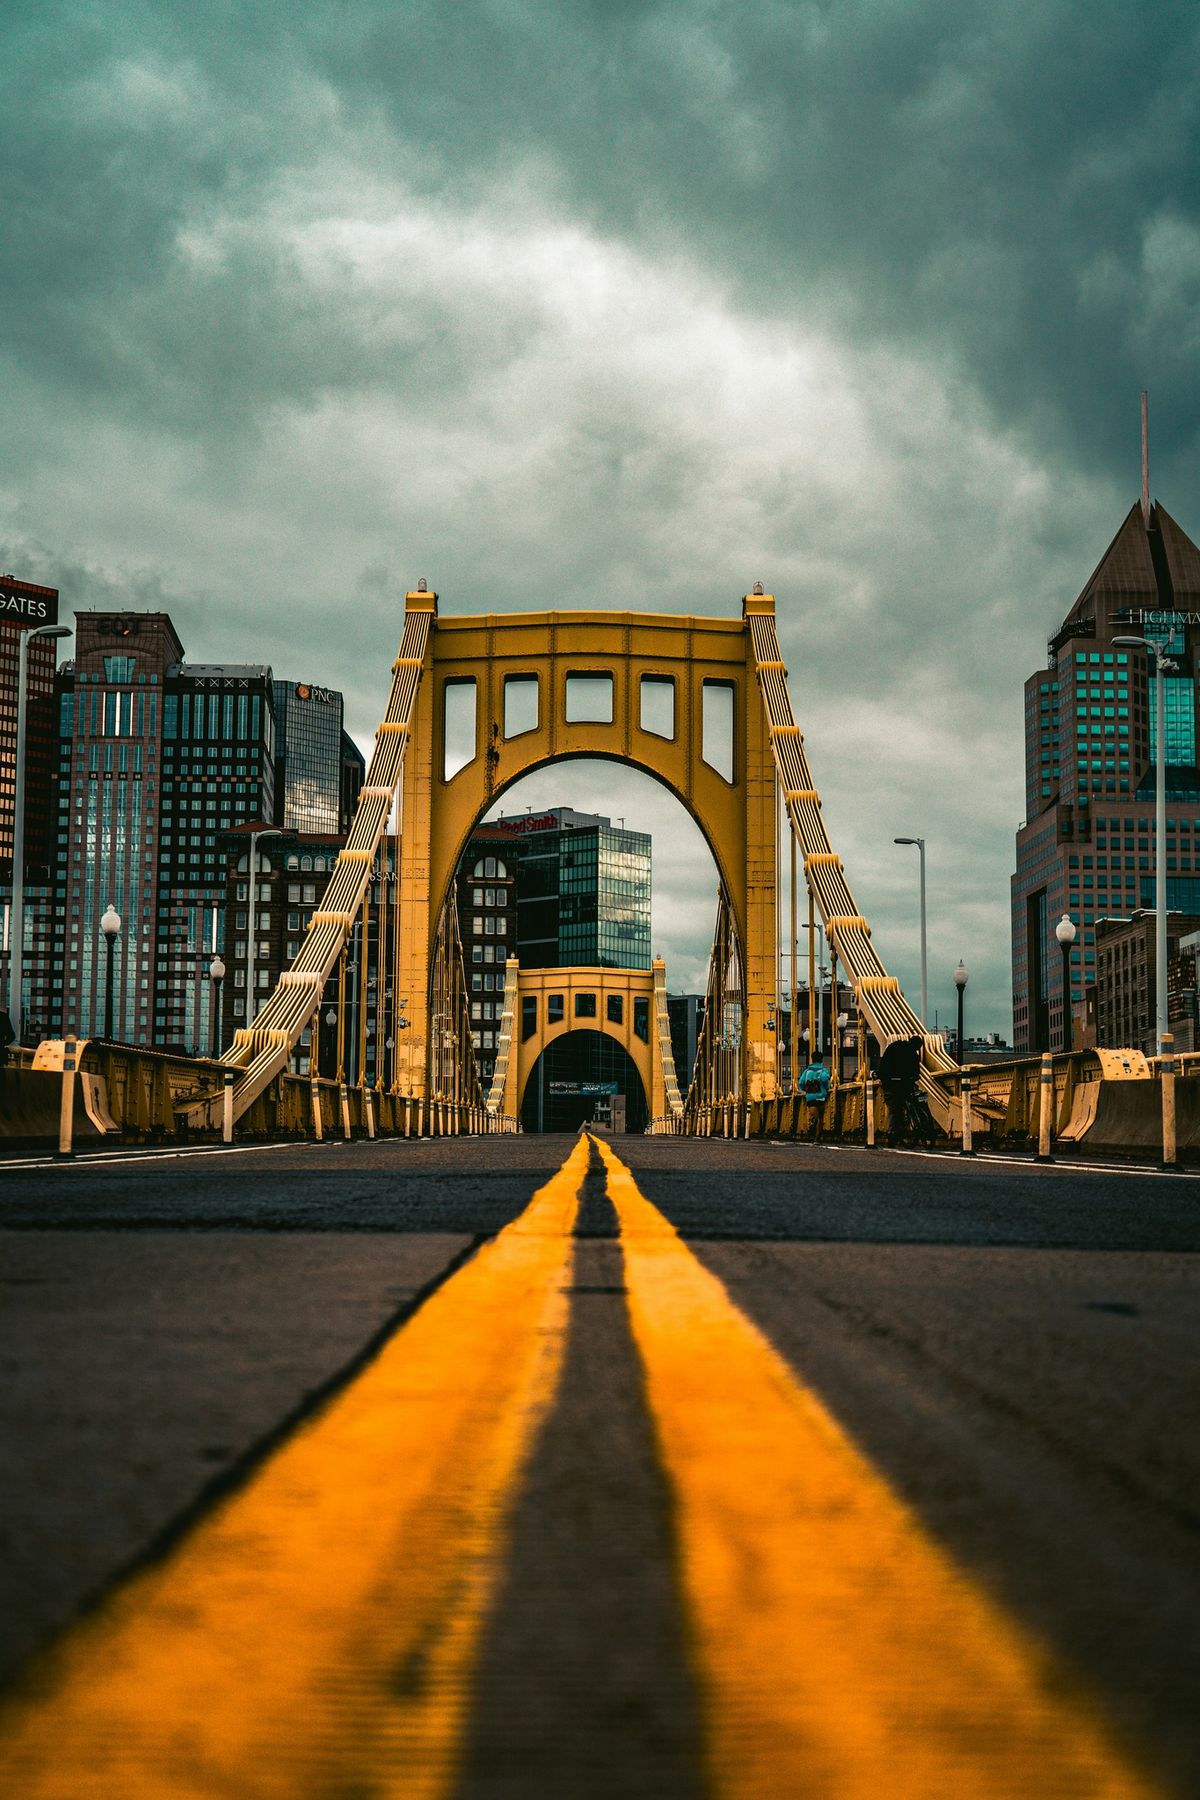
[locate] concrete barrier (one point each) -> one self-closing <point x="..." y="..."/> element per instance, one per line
<point x="1128" y="1117"/>
<point x="30" y="1105"/>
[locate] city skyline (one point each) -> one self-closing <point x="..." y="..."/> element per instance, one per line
<point x="858" y="307"/>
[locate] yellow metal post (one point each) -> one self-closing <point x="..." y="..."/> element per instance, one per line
<point x="1166" y="1066"/>
<point x="1045" y="1107"/>
<point x="66" y="1110"/>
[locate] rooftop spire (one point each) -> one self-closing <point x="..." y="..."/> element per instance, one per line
<point x="1146" y="459"/>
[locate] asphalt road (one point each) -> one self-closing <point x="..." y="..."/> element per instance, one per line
<point x="1011" y="1352"/>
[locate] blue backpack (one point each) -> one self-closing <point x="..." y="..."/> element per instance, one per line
<point x="814" y="1084"/>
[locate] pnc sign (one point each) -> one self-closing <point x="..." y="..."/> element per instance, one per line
<point x="306" y="692"/>
<point x="23" y="603"/>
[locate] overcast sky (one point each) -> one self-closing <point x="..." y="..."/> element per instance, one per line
<point x="625" y="305"/>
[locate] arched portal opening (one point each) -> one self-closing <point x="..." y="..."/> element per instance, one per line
<point x="556" y="908"/>
<point x="575" y="1080"/>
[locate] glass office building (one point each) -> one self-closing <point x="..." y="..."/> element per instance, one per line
<point x="156" y="758"/>
<point x="1087" y="847"/>
<point x="308" y="757"/>
<point x="583" y="891"/>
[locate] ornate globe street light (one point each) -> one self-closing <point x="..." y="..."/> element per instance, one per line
<point x="110" y="925"/>
<point x="1064" y="931"/>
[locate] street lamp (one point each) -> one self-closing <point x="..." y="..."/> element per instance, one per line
<point x="1161" y="662"/>
<point x="110" y="925"/>
<point x="960" y="982"/>
<point x="216" y="970"/>
<point x="16" y="955"/>
<point x="1064" y="931"/>
<point x="252" y="915"/>
<point x="920" y="843"/>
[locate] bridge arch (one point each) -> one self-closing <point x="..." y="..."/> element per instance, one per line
<point x="700" y="703"/>
<point x="502" y="695"/>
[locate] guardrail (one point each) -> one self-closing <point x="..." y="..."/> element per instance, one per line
<point x="1115" y="1102"/>
<point x="67" y="1092"/>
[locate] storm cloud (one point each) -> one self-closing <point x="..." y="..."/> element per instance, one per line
<point x="621" y="305"/>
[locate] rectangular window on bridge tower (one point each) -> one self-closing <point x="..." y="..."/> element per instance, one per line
<point x="585" y="1006"/>
<point x="589" y="699"/>
<point x="658" y="705"/>
<point x="458" y="726"/>
<point x="641" y="1018"/>
<point x="554" y="1009"/>
<point x="717" y="727"/>
<point x="520" y="704"/>
<point x="615" y="1007"/>
<point x="528" y="1017"/>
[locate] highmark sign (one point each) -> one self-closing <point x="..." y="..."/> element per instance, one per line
<point x="23" y="603"/>
<point x="1138" y="615"/>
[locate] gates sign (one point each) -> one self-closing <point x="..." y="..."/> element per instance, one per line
<point x="23" y="603"/>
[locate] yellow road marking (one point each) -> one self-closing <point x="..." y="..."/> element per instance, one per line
<point x="315" y="1635"/>
<point x="840" y="1652"/>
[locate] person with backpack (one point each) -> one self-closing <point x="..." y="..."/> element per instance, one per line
<point x="814" y="1090"/>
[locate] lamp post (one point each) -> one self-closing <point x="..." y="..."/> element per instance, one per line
<point x="920" y="843"/>
<point x="1161" y="663"/>
<point x="252" y="915"/>
<point x="1064" y="931"/>
<point x="16" y="955"/>
<point x="216" y="970"/>
<point x="960" y="982"/>
<point x="110" y="925"/>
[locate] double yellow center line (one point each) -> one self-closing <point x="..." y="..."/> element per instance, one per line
<point x="316" y="1634"/>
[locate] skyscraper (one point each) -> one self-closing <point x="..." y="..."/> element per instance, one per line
<point x="156" y="757"/>
<point x="1087" y="847"/>
<point x="308" y="756"/>
<point x="583" y="890"/>
<point x="23" y="607"/>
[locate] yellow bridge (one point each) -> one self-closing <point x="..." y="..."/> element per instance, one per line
<point x="703" y="706"/>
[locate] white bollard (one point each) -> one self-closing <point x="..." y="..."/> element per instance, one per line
<point x="318" y="1129"/>
<point x="227" y="1108"/>
<point x="870" y="1106"/>
<point x="345" y="1099"/>
<point x="964" y="1093"/>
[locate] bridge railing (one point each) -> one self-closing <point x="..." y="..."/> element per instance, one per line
<point x="126" y="1093"/>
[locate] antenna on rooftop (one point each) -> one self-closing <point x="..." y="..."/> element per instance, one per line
<point x="1146" y="459"/>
